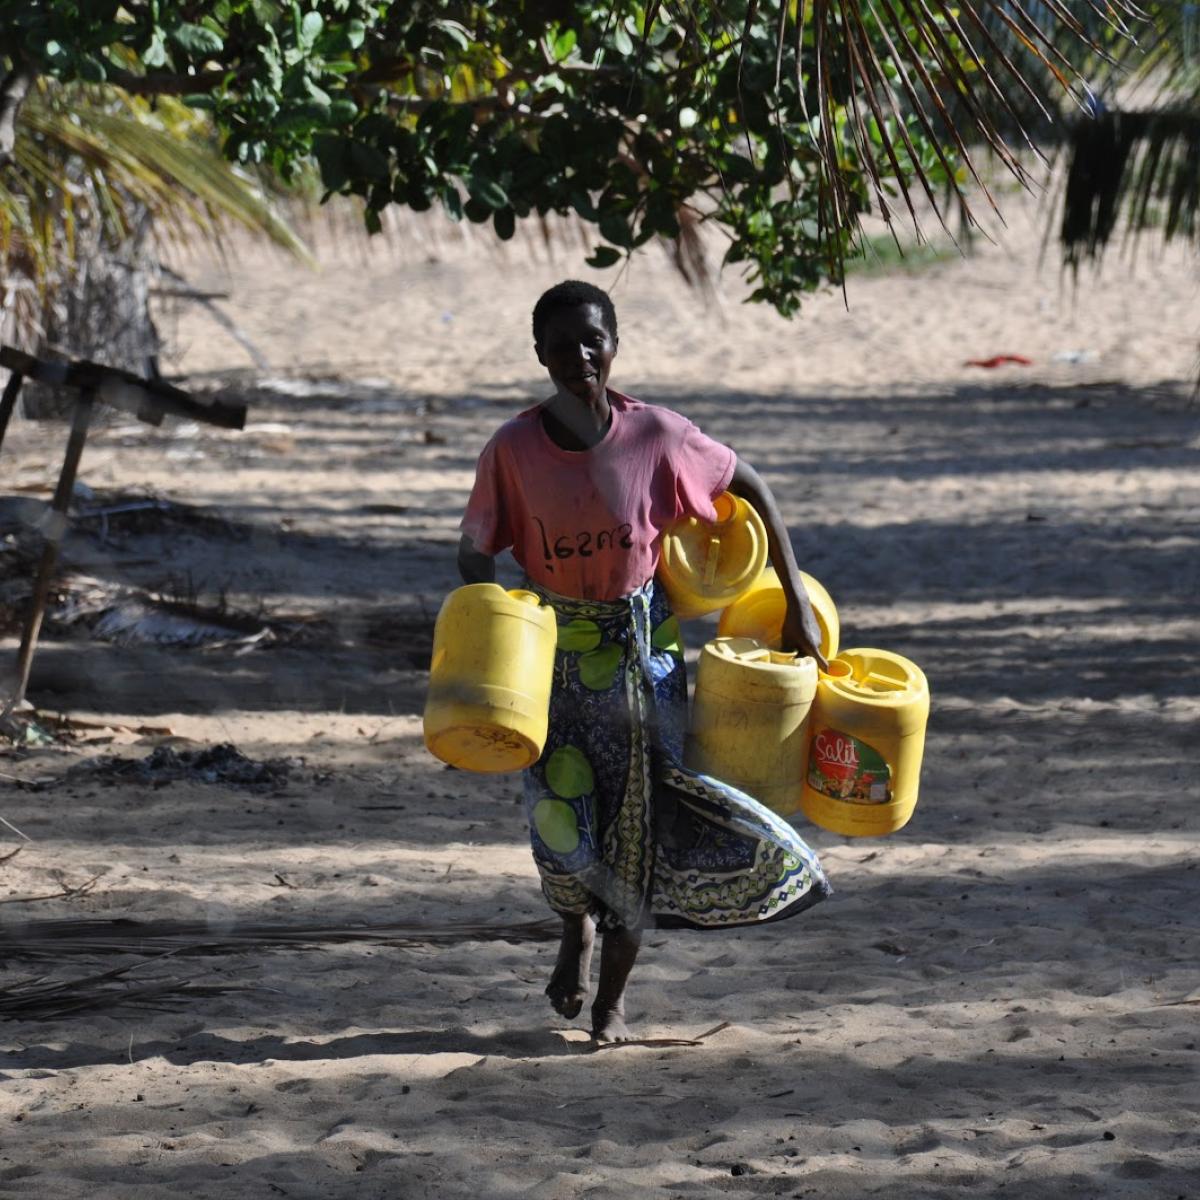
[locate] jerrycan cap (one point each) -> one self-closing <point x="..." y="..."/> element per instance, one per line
<point x="875" y="676"/>
<point x="725" y="506"/>
<point x="751" y="652"/>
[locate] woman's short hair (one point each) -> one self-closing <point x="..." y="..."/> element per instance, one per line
<point x="572" y="293"/>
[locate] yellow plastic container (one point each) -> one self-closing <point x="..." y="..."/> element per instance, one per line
<point x="705" y="566"/>
<point x="489" y="679"/>
<point x="866" y="739"/>
<point x="749" y="719"/>
<point x="759" y="611"/>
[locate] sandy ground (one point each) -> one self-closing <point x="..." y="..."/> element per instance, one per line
<point x="991" y="1003"/>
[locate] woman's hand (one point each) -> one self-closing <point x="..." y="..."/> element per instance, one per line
<point x="473" y="565"/>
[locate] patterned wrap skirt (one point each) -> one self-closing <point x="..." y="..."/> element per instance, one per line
<point x="620" y="828"/>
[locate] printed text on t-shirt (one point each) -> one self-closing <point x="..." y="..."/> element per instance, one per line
<point x="584" y="543"/>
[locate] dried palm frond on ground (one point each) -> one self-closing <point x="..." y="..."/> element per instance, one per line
<point x="39" y="998"/>
<point x="50" y="939"/>
<point x="145" y="512"/>
<point x="114" y="613"/>
<point x="29" y="725"/>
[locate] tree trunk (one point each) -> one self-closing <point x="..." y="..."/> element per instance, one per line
<point x="101" y="313"/>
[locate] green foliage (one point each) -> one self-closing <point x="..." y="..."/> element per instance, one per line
<point x="882" y="254"/>
<point x="780" y="125"/>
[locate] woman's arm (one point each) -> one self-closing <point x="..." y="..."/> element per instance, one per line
<point x="473" y="565"/>
<point x="800" y="629"/>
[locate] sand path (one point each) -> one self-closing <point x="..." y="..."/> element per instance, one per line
<point x="989" y="1006"/>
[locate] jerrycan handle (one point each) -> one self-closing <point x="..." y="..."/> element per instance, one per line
<point x="883" y="683"/>
<point x="712" y="560"/>
<point x="525" y="596"/>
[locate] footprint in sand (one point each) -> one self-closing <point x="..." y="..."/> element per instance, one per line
<point x="1139" y="1168"/>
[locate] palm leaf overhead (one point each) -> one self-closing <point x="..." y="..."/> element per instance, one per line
<point x="962" y="75"/>
<point x="1134" y="157"/>
<point x="89" y="167"/>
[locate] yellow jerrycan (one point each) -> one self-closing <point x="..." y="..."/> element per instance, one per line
<point x="866" y="737"/>
<point x="750" y="719"/>
<point x="489" y="680"/>
<point x="706" y="565"/>
<point x="758" y="612"/>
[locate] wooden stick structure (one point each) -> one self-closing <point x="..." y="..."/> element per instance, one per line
<point x="149" y="400"/>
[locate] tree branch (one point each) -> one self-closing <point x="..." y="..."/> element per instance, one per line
<point x="165" y="84"/>
<point x="13" y="91"/>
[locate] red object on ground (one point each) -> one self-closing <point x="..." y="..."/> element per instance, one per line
<point x="998" y="360"/>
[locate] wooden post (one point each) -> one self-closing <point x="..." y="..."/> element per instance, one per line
<point x="56" y="527"/>
<point x="150" y="400"/>
<point x="9" y="401"/>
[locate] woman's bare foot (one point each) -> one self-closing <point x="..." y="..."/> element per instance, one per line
<point x="617" y="957"/>
<point x="608" y="1025"/>
<point x="568" y="986"/>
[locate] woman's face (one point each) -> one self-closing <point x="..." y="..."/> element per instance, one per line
<point x="577" y="350"/>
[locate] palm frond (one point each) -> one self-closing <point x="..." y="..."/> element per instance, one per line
<point x="94" y="167"/>
<point x="39" y="998"/>
<point x="885" y="77"/>
<point x="1139" y="167"/>
<point x="54" y="938"/>
<point x="1143" y="166"/>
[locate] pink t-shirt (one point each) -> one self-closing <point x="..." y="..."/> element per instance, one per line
<point x="589" y="523"/>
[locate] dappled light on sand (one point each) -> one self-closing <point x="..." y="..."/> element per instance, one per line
<point x="999" y="1000"/>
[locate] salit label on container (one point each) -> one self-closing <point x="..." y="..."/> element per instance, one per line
<point x="842" y="767"/>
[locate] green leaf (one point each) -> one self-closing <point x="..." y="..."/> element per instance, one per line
<point x="456" y="32"/>
<point x="476" y="211"/>
<point x="315" y="93"/>
<point x="332" y="152"/>
<point x="604" y="256"/>
<point x="556" y="825"/>
<point x="569" y="774"/>
<point x="668" y="637"/>
<point x="310" y="29"/>
<point x="579" y="635"/>
<point x="615" y="227"/>
<point x="452" y="203"/>
<point x="301" y="119"/>
<point x="504" y="222"/>
<point x="487" y="191"/>
<point x="623" y="42"/>
<point x="196" y="41"/>
<point x="598" y="668"/>
<point x="581" y="202"/>
<point x="368" y="162"/>
<point x="343" y="110"/>
<point x="155" y="54"/>
<point x="564" y="43"/>
<point x="91" y="69"/>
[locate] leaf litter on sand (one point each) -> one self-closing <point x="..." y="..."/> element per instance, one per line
<point x="41" y="999"/>
<point x="37" y="998"/>
<point x="223" y="763"/>
<point x="44" y="939"/>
